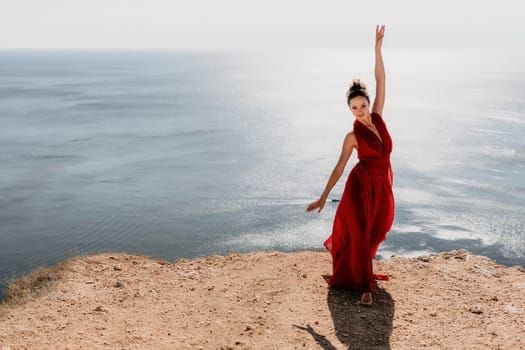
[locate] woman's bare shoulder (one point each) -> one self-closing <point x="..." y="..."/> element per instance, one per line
<point x="350" y="140"/>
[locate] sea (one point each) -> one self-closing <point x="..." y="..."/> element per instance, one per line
<point x="186" y="153"/>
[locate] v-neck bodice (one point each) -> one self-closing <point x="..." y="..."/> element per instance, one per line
<point x="370" y="145"/>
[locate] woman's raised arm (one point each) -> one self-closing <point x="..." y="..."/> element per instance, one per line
<point x="379" y="100"/>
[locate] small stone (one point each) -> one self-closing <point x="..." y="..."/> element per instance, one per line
<point x="494" y="298"/>
<point x="316" y="323"/>
<point x="248" y="328"/>
<point x="118" y="284"/>
<point x="117" y="268"/>
<point x="433" y="314"/>
<point x="100" y="309"/>
<point x="210" y="287"/>
<point x="475" y="310"/>
<point x="304" y="275"/>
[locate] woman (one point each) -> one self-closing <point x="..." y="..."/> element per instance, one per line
<point x="366" y="210"/>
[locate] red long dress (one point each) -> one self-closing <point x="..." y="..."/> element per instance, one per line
<point x="365" y="212"/>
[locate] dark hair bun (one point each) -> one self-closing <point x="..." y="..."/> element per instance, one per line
<point x="358" y="88"/>
<point x="357" y="85"/>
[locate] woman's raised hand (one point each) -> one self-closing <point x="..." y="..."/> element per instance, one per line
<point x="380" y="33"/>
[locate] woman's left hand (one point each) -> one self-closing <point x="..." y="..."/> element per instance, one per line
<point x="380" y="33"/>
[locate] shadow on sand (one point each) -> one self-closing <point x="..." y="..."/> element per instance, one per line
<point x="358" y="326"/>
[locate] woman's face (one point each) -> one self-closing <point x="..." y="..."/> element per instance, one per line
<point x="359" y="106"/>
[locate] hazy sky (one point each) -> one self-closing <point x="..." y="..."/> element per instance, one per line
<point x="264" y="23"/>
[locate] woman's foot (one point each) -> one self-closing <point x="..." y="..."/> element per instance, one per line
<point x="366" y="299"/>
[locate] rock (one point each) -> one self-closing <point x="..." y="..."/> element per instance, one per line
<point x="100" y="309"/>
<point x="117" y="268"/>
<point x="118" y="284"/>
<point x="475" y="310"/>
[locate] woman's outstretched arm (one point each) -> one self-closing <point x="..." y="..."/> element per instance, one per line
<point x="379" y="101"/>
<point x="349" y="143"/>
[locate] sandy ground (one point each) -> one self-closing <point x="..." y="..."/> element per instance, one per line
<point x="269" y="300"/>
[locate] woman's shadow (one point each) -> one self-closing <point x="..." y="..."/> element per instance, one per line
<point x="358" y="326"/>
